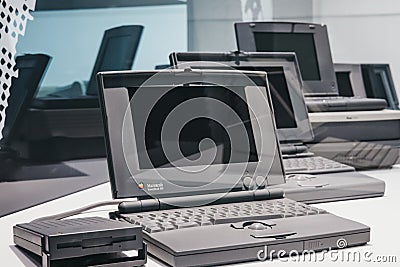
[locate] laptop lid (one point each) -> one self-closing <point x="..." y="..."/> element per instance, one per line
<point x="379" y="83"/>
<point x="31" y="69"/>
<point x="284" y="80"/>
<point x="349" y="80"/>
<point x="188" y="132"/>
<point x="117" y="52"/>
<point x="310" y="43"/>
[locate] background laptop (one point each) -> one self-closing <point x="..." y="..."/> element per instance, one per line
<point x="367" y="80"/>
<point x="31" y="69"/>
<point x="293" y="128"/>
<point x="311" y="44"/>
<point x="235" y="222"/>
<point x="117" y="52"/>
<point x="379" y="83"/>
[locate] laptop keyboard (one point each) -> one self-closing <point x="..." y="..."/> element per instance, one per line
<point x="366" y="155"/>
<point x="167" y="220"/>
<point x="314" y="165"/>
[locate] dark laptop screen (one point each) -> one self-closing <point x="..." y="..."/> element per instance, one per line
<point x="344" y="83"/>
<point x="203" y="139"/>
<point x="117" y="52"/>
<point x="283" y="108"/>
<point x="300" y="43"/>
<point x="31" y="69"/>
<point x="114" y="56"/>
<point x="380" y="91"/>
<point x="18" y="94"/>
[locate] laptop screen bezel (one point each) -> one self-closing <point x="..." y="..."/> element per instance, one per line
<point x="288" y="61"/>
<point x="119" y="172"/>
<point x="327" y="86"/>
<point x="355" y="76"/>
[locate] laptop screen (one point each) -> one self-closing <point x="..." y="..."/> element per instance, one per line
<point x="204" y="139"/>
<point x="344" y="83"/>
<point x="284" y="83"/>
<point x="31" y="69"/>
<point x="300" y="43"/>
<point x="308" y="40"/>
<point x="117" y="52"/>
<point x="174" y="132"/>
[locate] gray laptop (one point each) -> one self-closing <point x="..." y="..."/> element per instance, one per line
<point x="188" y="144"/>
<point x="310" y="42"/>
<point x="367" y="80"/>
<point x="293" y="127"/>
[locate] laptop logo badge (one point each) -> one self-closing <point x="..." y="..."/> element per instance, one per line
<point x="141" y="185"/>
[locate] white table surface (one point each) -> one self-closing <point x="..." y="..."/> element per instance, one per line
<point x="381" y="214"/>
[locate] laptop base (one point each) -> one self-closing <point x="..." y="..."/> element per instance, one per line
<point x="331" y="187"/>
<point x="360" y="126"/>
<point x="344" y="104"/>
<point x="222" y="244"/>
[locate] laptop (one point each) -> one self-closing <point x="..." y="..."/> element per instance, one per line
<point x="189" y="145"/>
<point x="310" y="178"/>
<point x="311" y="44"/>
<point x="379" y="83"/>
<point x="31" y="70"/>
<point x="117" y="52"/>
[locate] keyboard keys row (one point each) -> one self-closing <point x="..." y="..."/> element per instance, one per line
<point x="159" y="221"/>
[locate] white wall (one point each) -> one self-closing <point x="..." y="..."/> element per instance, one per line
<point x="73" y="38"/>
<point x="292" y="10"/>
<point x="211" y="22"/>
<point x="363" y="31"/>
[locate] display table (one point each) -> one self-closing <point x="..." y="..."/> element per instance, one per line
<point x="381" y="214"/>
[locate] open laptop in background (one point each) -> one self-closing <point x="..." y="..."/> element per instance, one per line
<point x="207" y="200"/>
<point x="291" y="115"/>
<point x="31" y="70"/>
<point x="311" y="44"/>
<point x="379" y="83"/>
<point x="367" y="80"/>
<point x="117" y="52"/>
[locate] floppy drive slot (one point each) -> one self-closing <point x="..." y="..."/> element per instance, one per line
<point x="96" y="242"/>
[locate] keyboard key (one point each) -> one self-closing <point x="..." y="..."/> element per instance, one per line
<point x="167" y="227"/>
<point x="313" y="165"/>
<point x="187" y="225"/>
<point x="152" y="229"/>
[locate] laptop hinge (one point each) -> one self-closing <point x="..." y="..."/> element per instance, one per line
<point x="293" y="148"/>
<point x="198" y="200"/>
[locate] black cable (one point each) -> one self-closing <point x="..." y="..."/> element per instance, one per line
<point x="78" y="211"/>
